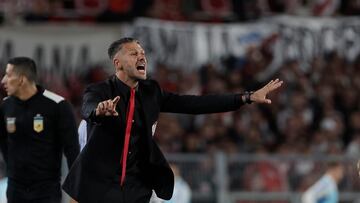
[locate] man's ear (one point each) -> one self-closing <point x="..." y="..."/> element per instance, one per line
<point x="116" y="63"/>
<point x="22" y="80"/>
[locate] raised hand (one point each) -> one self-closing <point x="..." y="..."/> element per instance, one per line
<point x="259" y="96"/>
<point x="108" y="107"/>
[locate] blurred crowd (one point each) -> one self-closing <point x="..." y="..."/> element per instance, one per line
<point x="91" y="11"/>
<point x="317" y="110"/>
<point x="316" y="113"/>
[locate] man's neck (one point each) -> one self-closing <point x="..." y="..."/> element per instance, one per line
<point x="128" y="81"/>
<point x="27" y="92"/>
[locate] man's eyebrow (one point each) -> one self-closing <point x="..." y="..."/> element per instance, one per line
<point x="135" y="50"/>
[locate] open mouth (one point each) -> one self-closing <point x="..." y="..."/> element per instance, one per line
<point x="140" y="68"/>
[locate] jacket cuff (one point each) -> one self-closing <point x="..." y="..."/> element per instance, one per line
<point x="239" y="99"/>
<point x="93" y="118"/>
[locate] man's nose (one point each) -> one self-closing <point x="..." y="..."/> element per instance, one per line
<point x="142" y="58"/>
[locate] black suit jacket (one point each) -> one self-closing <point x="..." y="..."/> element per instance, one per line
<point x="96" y="166"/>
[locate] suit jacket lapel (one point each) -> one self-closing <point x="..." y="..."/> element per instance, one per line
<point x="146" y="105"/>
<point x="121" y="108"/>
<point x="122" y="104"/>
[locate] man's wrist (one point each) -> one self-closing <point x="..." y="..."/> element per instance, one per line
<point x="246" y="97"/>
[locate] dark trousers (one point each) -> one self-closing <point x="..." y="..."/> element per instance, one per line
<point x="42" y="192"/>
<point x="133" y="191"/>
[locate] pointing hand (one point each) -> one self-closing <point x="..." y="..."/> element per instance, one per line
<point x="108" y="107"/>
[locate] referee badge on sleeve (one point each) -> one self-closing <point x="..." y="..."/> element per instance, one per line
<point x="38" y="123"/>
<point x="10" y="124"/>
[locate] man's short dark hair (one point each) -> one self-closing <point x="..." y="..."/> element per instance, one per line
<point x="117" y="45"/>
<point x="24" y="66"/>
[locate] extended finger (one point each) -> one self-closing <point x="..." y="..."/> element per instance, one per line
<point x="272" y="82"/>
<point x="115" y="100"/>
<point x="275" y="85"/>
<point x="268" y="85"/>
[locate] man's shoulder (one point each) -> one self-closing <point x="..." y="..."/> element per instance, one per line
<point x="102" y="84"/>
<point x="5" y="102"/>
<point x="323" y="185"/>
<point x="149" y="83"/>
<point x="6" y="99"/>
<point x="53" y="97"/>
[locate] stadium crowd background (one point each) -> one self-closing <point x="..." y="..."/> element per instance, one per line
<point x="317" y="112"/>
<point x="98" y="11"/>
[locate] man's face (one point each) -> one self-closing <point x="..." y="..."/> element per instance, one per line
<point x="131" y="59"/>
<point x="11" y="81"/>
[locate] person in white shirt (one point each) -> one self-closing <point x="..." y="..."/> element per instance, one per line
<point x="325" y="190"/>
<point x="82" y="130"/>
<point x="3" y="187"/>
<point x="182" y="191"/>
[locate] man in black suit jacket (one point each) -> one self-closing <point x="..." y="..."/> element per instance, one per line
<point x="121" y="162"/>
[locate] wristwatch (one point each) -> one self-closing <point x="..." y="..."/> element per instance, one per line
<point x="246" y="97"/>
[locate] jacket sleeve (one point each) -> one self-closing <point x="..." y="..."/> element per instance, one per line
<point x="68" y="132"/>
<point x="92" y="97"/>
<point x="3" y="136"/>
<point x="191" y="104"/>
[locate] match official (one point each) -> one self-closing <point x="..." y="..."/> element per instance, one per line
<point x="36" y="127"/>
